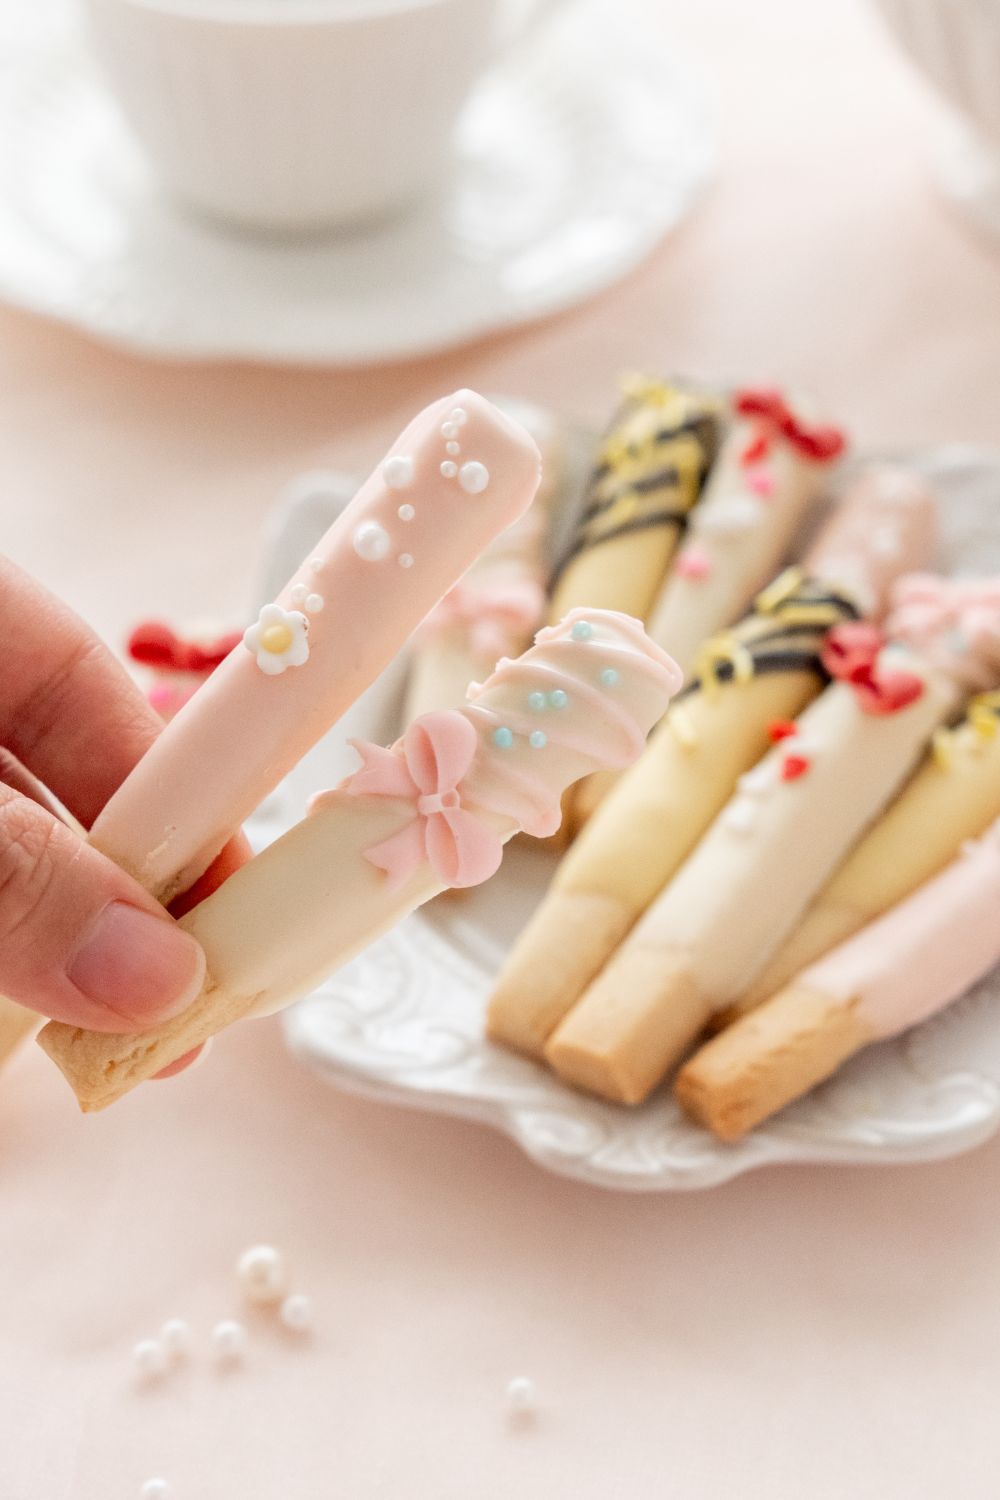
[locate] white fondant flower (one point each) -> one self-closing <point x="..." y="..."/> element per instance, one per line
<point x="278" y="640"/>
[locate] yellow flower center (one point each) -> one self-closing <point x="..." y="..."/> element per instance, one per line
<point x="276" y="638"/>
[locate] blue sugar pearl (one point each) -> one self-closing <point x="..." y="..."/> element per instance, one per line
<point x="582" y="630"/>
<point x="558" y="699"/>
<point x="503" y="737"/>
<point x="537" y="740"/>
<point x="609" y="677"/>
<point x="536" y="701"/>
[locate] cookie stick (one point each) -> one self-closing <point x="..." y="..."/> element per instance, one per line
<point x="905" y="966"/>
<point x="16" y="1025"/>
<point x="768" y="668"/>
<point x="743" y="889"/>
<point x="432" y="812"/>
<point x="770" y="468"/>
<point x="954" y="796"/>
<point x="411" y="530"/>
<point x="648" y="475"/>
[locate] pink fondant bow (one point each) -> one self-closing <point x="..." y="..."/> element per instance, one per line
<point x="851" y="655"/>
<point x="427" y="768"/>
<point x="776" y="419"/>
<point x="926" y="608"/>
<point x="492" y="613"/>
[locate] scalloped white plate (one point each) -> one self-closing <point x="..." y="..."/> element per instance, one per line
<point x="403" y="1022"/>
<point x="572" y="160"/>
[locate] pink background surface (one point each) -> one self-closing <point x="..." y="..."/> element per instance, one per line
<point x="822" y="1333"/>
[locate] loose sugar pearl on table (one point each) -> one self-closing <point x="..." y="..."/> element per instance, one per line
<point x="229" y="1341"/>
<point x="155" y="1489"/>
<point x="297" y="1313"/>
<point x="263" y="1273"/>
<point x="149" y="1359"/>
<point x="175" y="1336"/>
<point x="521" y="1395"/>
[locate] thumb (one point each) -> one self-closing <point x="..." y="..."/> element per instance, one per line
<point x="80" y="940"/>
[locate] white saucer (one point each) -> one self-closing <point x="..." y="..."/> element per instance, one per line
<point x="403" y="1022"/>
<point x="572" y="161"/>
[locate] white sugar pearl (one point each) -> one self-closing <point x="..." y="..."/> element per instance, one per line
<point x="149" y="1358"/>
<point x="314" y="603"/>
<point x="315" y="564"/>
<point x="229" y="1341"/>
<point x="521" y="1394"/>
<point x="740" y="816"/>
<point x="405" y="560"/>
<point x="297" y="1312"/>
<point x="371" y="541"/>
<point x="398" y="472"/>
<point x="453" y="448"/>
<point x="474" y="477"/>
<point x="449" y="430"/>
<point x="459" y="415"/>
<point x="299" y="593"/>
<point x="262" y="1273"/>
<point x="449" y="468"/>
<point x="406" y="512"/>
<point x="155" y="1489"/>
<point x="175" y="1336"/>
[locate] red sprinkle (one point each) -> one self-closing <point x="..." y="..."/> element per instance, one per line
<point x="794" y="766"/>
<point x="781" y="729"/>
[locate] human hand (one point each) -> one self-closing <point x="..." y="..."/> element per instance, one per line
<point x="80" y="941"/>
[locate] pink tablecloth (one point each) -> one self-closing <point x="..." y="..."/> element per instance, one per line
<point x="822" y="1333"/>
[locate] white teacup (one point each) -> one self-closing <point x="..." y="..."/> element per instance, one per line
<point x="294" y="114"/>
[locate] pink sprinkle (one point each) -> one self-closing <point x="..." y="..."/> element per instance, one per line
<point x="761" y="481"/>
<point x="693" y="563"/>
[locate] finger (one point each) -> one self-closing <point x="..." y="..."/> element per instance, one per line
<point x="14" y="775"/>
<point x="79" y="940"/>
<point x="69" y="711"/>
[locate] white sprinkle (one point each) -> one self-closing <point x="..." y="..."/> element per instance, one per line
<point x="262" y="1273"/>
<point x="406" y="512"/>
<point x="299" y="593"/>
<point x="297" y="1313"/>
<point x="453" y="447"/>
<point x="175" y="1336"/>
<point x="757" y="781"/>
<point x="449" y="430"/>
<point x="449" y="468"/>
<point x="371" y="541"/>
<point x="521" y="1394"/>
<point x="314" y="603"/>
<point x="155" y="1489"/>
<point x="474" y="478"/>
<point x="459" y="415"/>
<point x="398" y="472"/>
<point x="405" y="560"/>
<point x="229" y="1341"/>
<point x="149" y="1359"/>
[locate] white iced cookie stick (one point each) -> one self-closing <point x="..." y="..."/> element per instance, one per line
<point x="770" y="467"/>
<point x="432" y="812"/>
<point x="761" y="673"/>
<point x="769" y="851"/>
<point x="458" y="475"/>
<point x="892" y="974"/>
<point x="955" y="796"/>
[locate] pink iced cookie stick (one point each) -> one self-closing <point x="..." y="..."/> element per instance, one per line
<point x="892" y="974"/>
<point x="459" y="474"/>
<point x="433" y="811"/>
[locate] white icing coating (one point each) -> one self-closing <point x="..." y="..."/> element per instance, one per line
<point x="398" y="472"/>
<point x="474" y="477"/>
<point x="733" y="514"/>
<point x="371" y="541"/>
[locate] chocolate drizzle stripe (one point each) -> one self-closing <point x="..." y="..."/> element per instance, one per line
<point x="766" y="663"/>
<point x="661" y="480"/>
<point x="636" y="523"/>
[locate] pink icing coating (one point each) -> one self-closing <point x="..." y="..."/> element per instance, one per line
<point x="954" y="623"/>
<point x="244" y="729"/>
<point x="490" y="612"/>
<point x="924" y="952"/>
<point x="885" y="525"/>
<point x="453" y="771"/>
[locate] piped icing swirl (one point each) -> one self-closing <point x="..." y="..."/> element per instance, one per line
<point x="582" y="698"/>
<point x="953" y="624"/>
